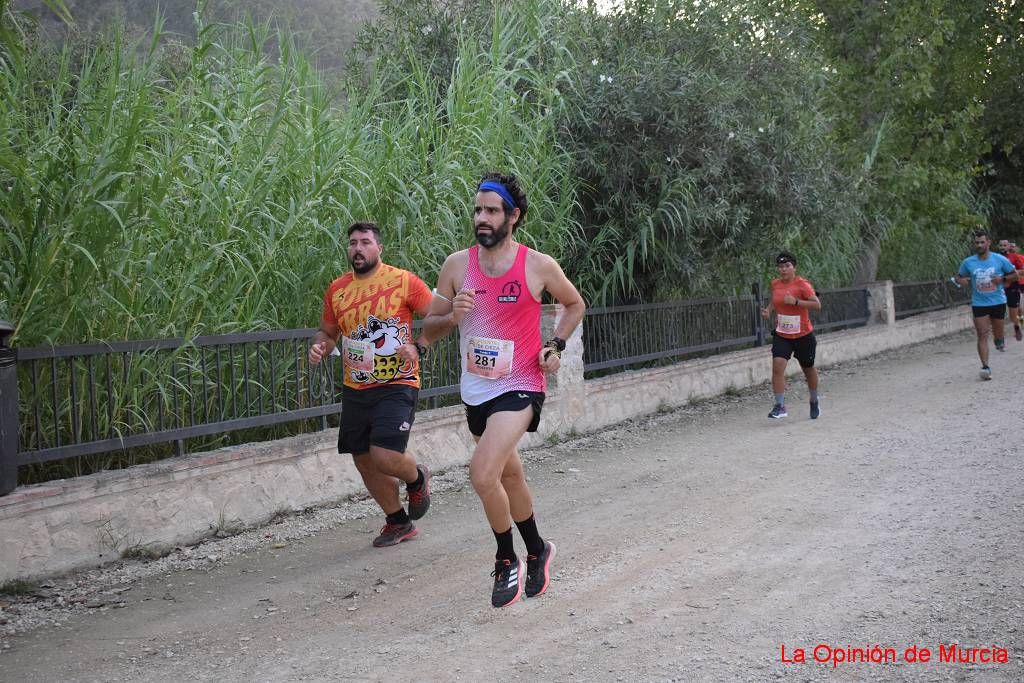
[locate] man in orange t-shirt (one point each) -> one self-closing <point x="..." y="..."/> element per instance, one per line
<point x="1013" y="289"/>
<point x="370" y="310"/>
<point x="792" y="298"/>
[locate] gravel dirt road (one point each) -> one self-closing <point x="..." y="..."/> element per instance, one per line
<point x="692" y="545"/>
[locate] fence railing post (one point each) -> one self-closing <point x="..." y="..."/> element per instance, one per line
<point x="8" y="411"/>
<point x="881" y="302"/>
<point x="755" y="289"/>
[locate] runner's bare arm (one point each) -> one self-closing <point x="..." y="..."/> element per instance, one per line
<point x="564" y="293"/>
<point x="324" y="341"/>
<point x="406" y="351"/>
<point x="812" y="304"/>
<point x="443" y="314"/>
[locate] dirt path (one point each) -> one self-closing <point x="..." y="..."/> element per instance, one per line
<point x="692" y="545"/>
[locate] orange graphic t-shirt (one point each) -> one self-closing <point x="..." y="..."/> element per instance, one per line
<point x="375" y="317"/>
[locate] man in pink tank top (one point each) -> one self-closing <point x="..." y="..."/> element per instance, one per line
<point x="492" y="293"/>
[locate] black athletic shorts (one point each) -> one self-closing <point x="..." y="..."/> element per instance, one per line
<point x="998" y="311"/>
<point x="381" y="416"/>
<point x="1013" y="295"/>
<point x="801" y="347"/>
<point x="512" y="401"/>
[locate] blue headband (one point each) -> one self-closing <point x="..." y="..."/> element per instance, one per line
<point x="500" y="190"/>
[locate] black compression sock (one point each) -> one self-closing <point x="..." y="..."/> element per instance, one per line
<point x="506" y="550"/>
<point x="416" y="485"/>
<point x="528" y="530"/>
<point x="400" y="517"/>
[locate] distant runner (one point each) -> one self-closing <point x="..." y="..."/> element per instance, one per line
<point x="792" y="298"/>
<point x="1013" y="289"/>
<point x="986" y="271"/>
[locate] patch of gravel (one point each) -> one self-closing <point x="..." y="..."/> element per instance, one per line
<point x="55" y="600"/>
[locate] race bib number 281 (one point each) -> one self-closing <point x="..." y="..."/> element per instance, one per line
<point x="489" y="358"/>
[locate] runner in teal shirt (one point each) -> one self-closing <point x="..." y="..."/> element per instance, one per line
<point x="986" y="272"/>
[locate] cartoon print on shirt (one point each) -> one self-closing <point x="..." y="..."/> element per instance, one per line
<point x="386" y="336"/>
<point x="983" y="279"/>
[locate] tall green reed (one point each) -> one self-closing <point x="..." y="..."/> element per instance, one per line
<point x="156" y="191"/>
<point x="150" y="195"/>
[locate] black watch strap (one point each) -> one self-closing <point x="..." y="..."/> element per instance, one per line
<point x="422" y="349"/>
<point x="557" y="343"/>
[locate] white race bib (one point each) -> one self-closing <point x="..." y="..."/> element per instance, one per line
<point x="984" y="282"/>
<point x="358" y="354"/>
<point x="787" y="324"/>
<point x="489" y="358"/>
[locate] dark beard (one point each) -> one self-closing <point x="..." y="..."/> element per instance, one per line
<point x="368" y="265"/>
<point x="490" y="239"/>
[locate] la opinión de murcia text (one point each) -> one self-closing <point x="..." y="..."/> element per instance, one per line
<point x="953" y="653"/>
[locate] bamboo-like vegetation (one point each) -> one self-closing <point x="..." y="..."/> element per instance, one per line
<point x="159" y="189"/>
<point x="191" y="191"/>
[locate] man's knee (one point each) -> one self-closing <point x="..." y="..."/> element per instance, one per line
<point x="483" y="478"/>
<point x="512" y="477"/>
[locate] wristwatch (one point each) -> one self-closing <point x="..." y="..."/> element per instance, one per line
<point x="556" y="343"/>
<point x="421" y="349"/>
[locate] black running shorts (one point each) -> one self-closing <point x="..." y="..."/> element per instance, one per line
<point x="512" y="401"/>
<point x="997" y="312"/>
<point x="801" y="347"/>
<point x="381" y="416"/>
<point x="1013" y="295"/>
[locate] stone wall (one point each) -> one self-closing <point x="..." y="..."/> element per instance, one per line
<point x="70" y="524"/>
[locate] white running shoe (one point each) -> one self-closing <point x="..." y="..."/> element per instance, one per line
<point x="986" y="373"/>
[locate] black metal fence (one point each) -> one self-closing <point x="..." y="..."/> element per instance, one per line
<point x="80" y="400"/>
<point x="90" y="398"/>
<point x="841" y="309"/>
<point x="66" y="402"/>
<point x="625" y="337"/>
<point x="912" y="298"/>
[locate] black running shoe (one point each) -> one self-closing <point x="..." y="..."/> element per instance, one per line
<point x="815" y="410"/>
<point x="419" y="499"/>
<point x="538" y="570"/>
<point x="508" y="584"/>
<point x="778" y="412"/>
<point x="393" y="534"/>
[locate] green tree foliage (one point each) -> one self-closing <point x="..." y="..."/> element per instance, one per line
<point x="158" y="187"/>
<point x="1003" y="167"/>
<point x="702" y="147"/>
<point x="905" y="104"/>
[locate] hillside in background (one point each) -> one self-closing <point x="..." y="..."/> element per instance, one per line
<point x="326" y="29"/>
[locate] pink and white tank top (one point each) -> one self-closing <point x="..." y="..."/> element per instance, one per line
<point x="500" y="338"/>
